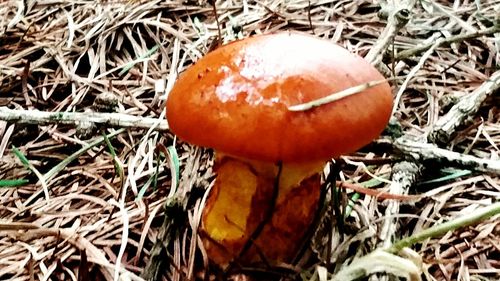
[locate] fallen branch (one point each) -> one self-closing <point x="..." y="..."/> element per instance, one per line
<point x="22" y="116"/>
<point x="397" y="17"/>
<point x="464" y="110"/>
<point x="404" y="175"/>
<point x="426" y="151"/>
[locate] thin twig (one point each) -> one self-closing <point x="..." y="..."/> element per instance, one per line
<point x="452" y="39"/>
<point x="336" y="96"/>
<point x="22" y="116"/>
<point x="404" y="176"/>
<point x="398" y="16"/>
<point x="309" y="16"/>
<point x="440" y="229"/>
<point x="421" y="151"/>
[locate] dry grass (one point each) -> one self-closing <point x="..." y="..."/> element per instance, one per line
<point x="104" y="209"/>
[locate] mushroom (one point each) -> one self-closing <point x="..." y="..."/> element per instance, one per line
<point x="269" y="159"/>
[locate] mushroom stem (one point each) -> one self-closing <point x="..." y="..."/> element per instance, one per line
<point x="259" y="212"/>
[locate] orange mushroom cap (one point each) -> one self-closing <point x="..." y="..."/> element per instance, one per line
<point x="236" y="98"/>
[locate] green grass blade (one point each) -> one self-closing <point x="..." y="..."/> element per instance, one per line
<point x="21" y="157"/>
<point x="442" y="228"/>
<point x="173" y="158"/>
<point x="452" y="174"/>
<point x="145" y="187"/>
<point x="13" y="183"/>
<point x="112" y="151"/>
<point x="131" y="64"/>
<point x="59" y="167"/>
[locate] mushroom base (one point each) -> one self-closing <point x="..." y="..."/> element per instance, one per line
<point x="247" y="196"/>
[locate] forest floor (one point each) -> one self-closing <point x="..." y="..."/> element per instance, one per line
<point x="90" y="176"/>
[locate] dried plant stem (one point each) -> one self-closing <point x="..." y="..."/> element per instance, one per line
<point x="463" y="111"/>
<point x="23" y="116"/>
<point x="336" y="96"/>
<point x="440" y="229"/>
<point x="425" y="151"/>
<point x="398" y="16"/>
<point x="452" y="39"/>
